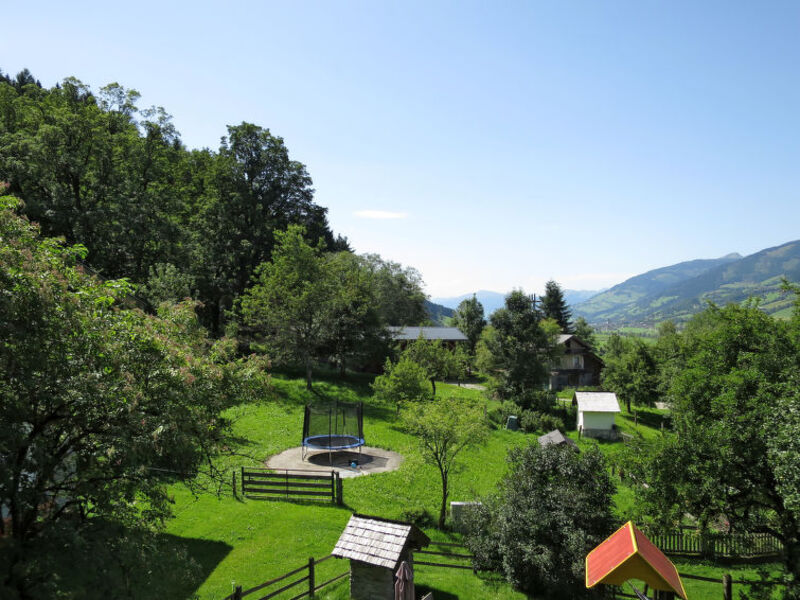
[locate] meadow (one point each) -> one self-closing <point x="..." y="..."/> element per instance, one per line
<point x="247" y="541"/>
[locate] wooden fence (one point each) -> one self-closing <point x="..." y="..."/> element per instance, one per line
<point x="309" y="579"/>
<point x="454" y="553"/>
<point x="690" y="542"/>
<point x="293" y="484"/>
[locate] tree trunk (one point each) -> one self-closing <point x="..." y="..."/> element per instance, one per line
<point x="433" y="386"/>
<point x="308" y="372"/>
<point x="445" y="494"/>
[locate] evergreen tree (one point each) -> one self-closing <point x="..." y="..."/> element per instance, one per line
<point x="555" y="307"/>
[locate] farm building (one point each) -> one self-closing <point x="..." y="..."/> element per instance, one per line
<point x="450" y="336"/>
<point x="596" y="413"/>
<point x="376" y="547"/>
<point x="577" y="366"/>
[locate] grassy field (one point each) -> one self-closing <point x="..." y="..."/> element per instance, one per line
<point x="246" y="542"/>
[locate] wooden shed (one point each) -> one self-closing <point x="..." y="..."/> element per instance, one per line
<point x="376" y="547"/>
<point x="596" y="414"/>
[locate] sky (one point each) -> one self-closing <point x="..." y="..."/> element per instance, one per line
<point x="489" y="145"/>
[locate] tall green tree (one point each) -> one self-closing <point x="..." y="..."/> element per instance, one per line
<point x="398" y="290"/>
<point x="435" y="359"/>
<point x="551" y="509"/>
<point x="469" y="319"/>
<point x="734" y="408"/>
<point x="585" y="332"/>
<point x="555" y="307"/>
<point x="518" y="349"/>
<point x="443" y="430"/>
<point x="355" y="331"/>
<point x="101" y="406"/>
<point x="290" y="301"/>
<point x="631" y="371"/>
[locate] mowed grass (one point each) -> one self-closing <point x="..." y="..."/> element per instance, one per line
<point x="269" y="538"/>
<point x="245" y="542"/>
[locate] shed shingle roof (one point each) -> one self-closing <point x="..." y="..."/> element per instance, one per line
<point x="597" y="402"/>
<point x="556" y="437"/>
<point x="377" y="541"/>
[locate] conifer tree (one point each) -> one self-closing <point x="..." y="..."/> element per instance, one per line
<point x="555" y="307"/>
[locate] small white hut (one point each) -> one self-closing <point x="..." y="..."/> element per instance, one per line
<point x="596" y="412"/>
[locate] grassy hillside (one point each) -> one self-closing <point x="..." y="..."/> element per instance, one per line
<point x="614" y="303"/>
<point x="249" y="541"/>
<point x="673" y="294"/>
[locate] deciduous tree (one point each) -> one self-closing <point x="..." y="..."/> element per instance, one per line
<point x="443" y="429"/>
<point x="470" y="320"/>
<point x="551" y="509"/>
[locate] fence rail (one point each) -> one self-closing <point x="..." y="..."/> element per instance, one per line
<point x="690" y="542"/>
<point x="448" y="555"/>
<point x="309" y="579"/>
<point x="292" y="484"/>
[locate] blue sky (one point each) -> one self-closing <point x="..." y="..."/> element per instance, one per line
<point x="510" y="143"/>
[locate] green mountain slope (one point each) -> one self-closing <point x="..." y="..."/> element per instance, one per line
<point x="731" y="279"/>
<point x="758" y="275"/>
<point x="614" y="303"/>
<point x="437" y="313"/>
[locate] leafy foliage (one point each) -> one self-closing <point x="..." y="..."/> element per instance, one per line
<point x="470" y="320"/>
<point x="631" y="371"/>
<point x="551" y="509"/>
<point x="735" y="404"/>
<point x="443" y="429"/>
<point x="100" y="406"/>
<point x="403" y="381"/>
<point x="517" y="348"/>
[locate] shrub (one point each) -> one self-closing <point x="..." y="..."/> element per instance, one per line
<point x="500" y="414"/>
<point x="552" y="508"/>
<point x="531" y="421"/>
<point x="551" y="422"/>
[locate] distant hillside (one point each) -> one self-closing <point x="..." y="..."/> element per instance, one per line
<point x="437" y="312"/>
<point x="491" y="301"/>
<point x="678" y="291"/>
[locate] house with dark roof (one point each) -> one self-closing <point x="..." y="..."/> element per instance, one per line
<point x="449" y="336"/>
<point x="375" y="548"/>
<point x="577" y="366"/>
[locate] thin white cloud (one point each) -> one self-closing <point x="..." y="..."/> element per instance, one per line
<point x="380" y="214"/>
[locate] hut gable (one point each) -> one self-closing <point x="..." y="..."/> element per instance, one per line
<point x="378" y="542"/>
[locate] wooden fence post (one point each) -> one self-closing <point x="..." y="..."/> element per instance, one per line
<point x="237" y="593"/>
<point x="727" y="587"/>
<point x="311" y="582"/>
<point x="339" y="490"/>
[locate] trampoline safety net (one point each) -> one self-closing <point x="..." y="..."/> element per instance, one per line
<point x="333" y="426"/>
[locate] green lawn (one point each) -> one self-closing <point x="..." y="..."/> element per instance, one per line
<point x="246" y="542"/>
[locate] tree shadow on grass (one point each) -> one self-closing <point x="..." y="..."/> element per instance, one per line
<point x="649" y="419"/>
<point x="113" y="561"/>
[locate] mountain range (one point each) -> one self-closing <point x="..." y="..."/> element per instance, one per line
<point x="674" y="292"/>
<point x="491" y="301"/>
<point x="678" y="291"/>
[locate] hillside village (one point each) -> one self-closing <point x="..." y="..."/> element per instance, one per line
<point x="174" y="321"/>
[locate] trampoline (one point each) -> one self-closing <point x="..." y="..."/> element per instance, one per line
<point x="333" y="426"/>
